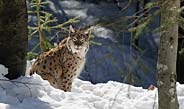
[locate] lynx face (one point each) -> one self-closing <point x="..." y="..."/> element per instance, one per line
<point x="78" y="40"/>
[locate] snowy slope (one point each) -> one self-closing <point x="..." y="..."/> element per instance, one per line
<point x="35" y="93"/>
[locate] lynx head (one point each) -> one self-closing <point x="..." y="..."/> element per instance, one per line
<point x="78" y="40"/>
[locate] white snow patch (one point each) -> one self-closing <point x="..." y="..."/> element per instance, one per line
<point x="35" y="93"/>
<point x="82" y="13"/>
<point x="103" y="32"/>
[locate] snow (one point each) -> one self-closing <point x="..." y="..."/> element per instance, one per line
<point x="32" y="92"/>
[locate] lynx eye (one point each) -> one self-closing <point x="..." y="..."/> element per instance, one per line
<point x="82" y="40"/>
<point x="74" y="39"/>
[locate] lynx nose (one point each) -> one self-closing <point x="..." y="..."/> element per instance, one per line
<point x="78" y="43"/>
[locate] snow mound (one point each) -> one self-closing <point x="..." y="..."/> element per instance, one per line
<point x="32" y="92"/>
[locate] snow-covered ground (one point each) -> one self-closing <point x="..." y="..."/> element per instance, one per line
<point x="35" y="93"/>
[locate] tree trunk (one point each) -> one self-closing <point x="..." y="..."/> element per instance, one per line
<point x="166" y="65"/>
<point x="13" y="36"/>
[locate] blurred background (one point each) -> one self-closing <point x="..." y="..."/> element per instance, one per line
<point x="124" y="41"/>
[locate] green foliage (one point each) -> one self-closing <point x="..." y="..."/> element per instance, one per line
<point x="141" y="27"/>
<point x="31" y="55"/>
<point x="46" y="23"/>
<point x="150" y="5"/>
<point x="95" y="43"/>
<point x="144" y="19"/>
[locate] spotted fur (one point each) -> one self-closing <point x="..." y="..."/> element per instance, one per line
<point x="62" y="64"/>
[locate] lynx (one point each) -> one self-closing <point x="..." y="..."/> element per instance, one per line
<point x="61" y="65"/>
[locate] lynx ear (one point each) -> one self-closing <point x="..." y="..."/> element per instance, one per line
<point x="71" y="29"/>
<point x="88" y="33"/>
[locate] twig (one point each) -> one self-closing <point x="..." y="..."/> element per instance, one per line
<point x="39" y="28"/>
<point x="140" y="16"/>
<point x="115" y="14"/>
<point x="126" y="7"/>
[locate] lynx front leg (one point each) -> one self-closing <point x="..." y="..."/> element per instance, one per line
<point x="50" y="78"/>
<point x="66" y="85"/>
